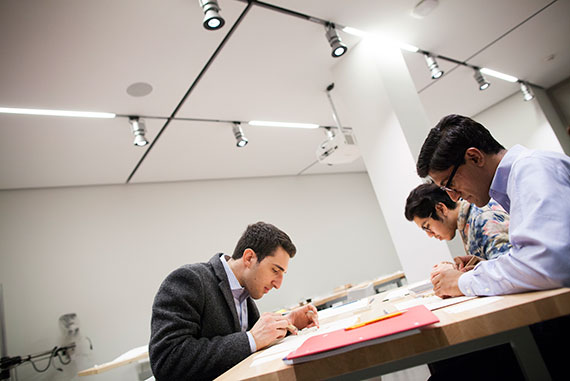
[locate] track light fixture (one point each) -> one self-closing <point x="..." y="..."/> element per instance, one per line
<point x="483" y="84"/>
<point x="241" y="140"/>
<point x="338" y="48"/>
<point x="433" y="67"/>
<point x="527" y="92"/>
<point x="212" y="19"/>
<point x="138" y="130"/>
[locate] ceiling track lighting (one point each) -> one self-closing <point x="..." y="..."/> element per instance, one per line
<point x="212" y="18"/>
<point x="139" y="131"/>
<point x="338" y="48"/>
<point x="433" y="67"/>
<point x="483" y="83"/>
<point x="241" y="140"/>
<point x="528" y="94"/>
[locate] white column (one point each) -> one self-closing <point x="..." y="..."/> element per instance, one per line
<point x="375" y="95"/>
<point x="551" y="115"/>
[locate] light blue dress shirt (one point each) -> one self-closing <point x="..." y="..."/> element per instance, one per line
<point x="534" y="187"/>
<point x="240" y="299"/>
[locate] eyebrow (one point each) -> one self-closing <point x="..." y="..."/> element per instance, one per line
<point x="280" y="268"/>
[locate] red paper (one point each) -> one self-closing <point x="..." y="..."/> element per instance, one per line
<point x="415" y="317"/>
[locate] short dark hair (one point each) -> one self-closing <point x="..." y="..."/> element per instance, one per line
<point x="264" y="239"/>
<point x="447" y="142"/>
<point x="422" y="201"/>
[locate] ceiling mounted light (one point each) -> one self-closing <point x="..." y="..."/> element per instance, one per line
<point x="338" y="48"/>
<point x="77" y="114"/>
<point x="433" y="67"/>
<point x="527" y="92"/>
<point x="483" y="84"/>
<point x="424" y="8"/>
<point x="212" y="19"/>
<point x="139" y="130"/>
<point x="241" y="140"/>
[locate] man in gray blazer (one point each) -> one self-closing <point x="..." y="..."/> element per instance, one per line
<point x="204" y="319"/>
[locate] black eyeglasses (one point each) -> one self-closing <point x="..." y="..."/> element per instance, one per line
<point x="447" y="186"/>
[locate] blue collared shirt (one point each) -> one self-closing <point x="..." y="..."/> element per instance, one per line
<point x="240" y="299"/>
<point x="534" y="187"/>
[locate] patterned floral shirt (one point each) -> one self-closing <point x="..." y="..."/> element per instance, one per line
<point x="484" y="231"/>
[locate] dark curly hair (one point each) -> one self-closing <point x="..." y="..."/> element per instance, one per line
<point x="264" y="239"/>
<point x="422" y="201"/>
<point x="447" y="142"/>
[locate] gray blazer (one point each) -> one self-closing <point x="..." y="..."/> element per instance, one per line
<point x="195" y="330"/>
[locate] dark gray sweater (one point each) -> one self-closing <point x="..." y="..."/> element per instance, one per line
<point x="195" y="330"/>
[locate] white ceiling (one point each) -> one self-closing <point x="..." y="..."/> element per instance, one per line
<point x="82" y="55"/>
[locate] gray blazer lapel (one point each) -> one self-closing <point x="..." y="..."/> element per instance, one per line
<point x="224" y="286"/>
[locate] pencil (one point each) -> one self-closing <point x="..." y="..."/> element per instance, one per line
<point x="291" y="328"/>
<point x="375" y="320"/>
<point x="471" y="261"/>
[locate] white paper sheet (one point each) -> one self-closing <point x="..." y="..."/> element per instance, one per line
<point x="290" y="343"/>
<point x="473" y="304"/>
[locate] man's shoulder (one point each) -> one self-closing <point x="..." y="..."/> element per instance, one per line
<point x="539" y="159"/>
<point x="491" y="213"/>
<point x="201" y="270"/>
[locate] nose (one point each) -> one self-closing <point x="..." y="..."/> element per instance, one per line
<point x="429" y="233"/>
<point x="453" y="195"/>
<point x="277" y="282"/>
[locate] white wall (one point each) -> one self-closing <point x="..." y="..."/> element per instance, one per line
<point x="514" y="121"/>
<point x="102" y="252"/>
<point x="560" y="94"/>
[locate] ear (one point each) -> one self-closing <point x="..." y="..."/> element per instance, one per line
<point x="475" y="156"/>
<point x="249" y="258"/>
<point x="441" y="208"/>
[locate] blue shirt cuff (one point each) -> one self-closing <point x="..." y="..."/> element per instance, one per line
<point x="464" y="283"/>
<point x="252" y="345"/>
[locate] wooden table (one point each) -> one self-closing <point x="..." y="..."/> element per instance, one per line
<point x="504" y="321"/>
<point x="328" y="301"/>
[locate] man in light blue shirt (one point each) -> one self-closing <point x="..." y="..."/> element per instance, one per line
<point x="462" y="157"/>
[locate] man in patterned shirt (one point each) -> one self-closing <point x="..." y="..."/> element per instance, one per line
<point x="484" y="231"/>
<point x="485" y="235"/>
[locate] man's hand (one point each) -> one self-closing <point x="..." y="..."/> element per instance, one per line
<point x="444" y="265"/>
<point x="467" y="262"/>
<point x="445" y="281"/>
<point x="269" y="328"/>
<point x="304" y="317"/>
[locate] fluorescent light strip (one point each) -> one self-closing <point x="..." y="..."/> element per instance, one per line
<point x="497" y="74"/>
<point x="354" y="31"/>
<point x="399" y="44"/>
<point x="282" y="124"/>
<point x="77" y="114"/>
<point x="414" y="49"/>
